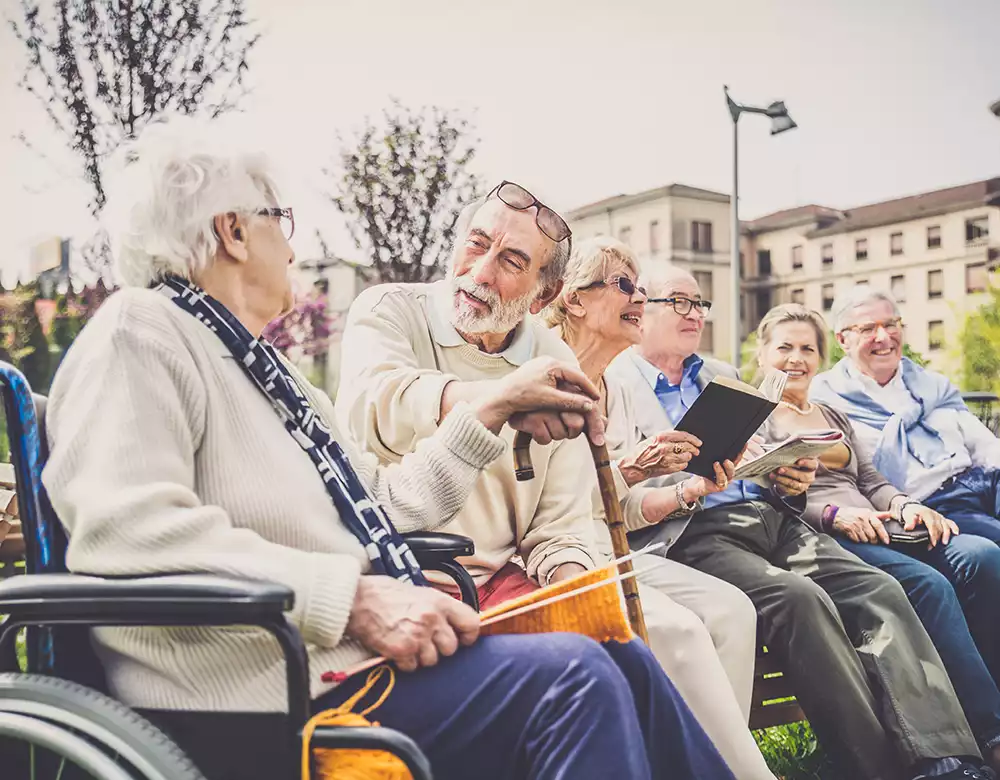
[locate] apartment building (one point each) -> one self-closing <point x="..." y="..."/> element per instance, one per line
<point x="684" y="225"/>
<point x="934" y="251"/>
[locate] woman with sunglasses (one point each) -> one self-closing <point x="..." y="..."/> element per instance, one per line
<point x="599" y="314"/>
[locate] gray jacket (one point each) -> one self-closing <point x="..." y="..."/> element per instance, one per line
<point x="650" y="419"/>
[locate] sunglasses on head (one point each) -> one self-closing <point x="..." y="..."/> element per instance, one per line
<point x="519" y="199"/>
<point x="623" y="283"/>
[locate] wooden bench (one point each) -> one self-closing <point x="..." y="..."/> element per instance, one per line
<point x="11" y="538"/>
<point x="773" y="701"/>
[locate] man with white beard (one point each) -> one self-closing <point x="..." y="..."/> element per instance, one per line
<point x="412" y="351"/>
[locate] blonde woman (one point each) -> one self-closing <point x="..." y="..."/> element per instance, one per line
<point x="852" y="501"/>
<point x="701" y="629"/>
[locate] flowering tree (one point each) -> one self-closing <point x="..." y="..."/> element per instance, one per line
<point x="305" y="332"/>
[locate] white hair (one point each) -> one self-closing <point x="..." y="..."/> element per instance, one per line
<point x="179" y="175"/>
<point x="658" y="278"/>
<point x="848" y="301"/>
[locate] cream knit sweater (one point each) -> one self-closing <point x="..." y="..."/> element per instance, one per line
<point x="398" y="353"/>
<point x="167" y="458"/>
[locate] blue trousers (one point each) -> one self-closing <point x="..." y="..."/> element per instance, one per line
<point x="546" y="706"/>
<point x="972" y="500"/>
<point x="955" y="590"/>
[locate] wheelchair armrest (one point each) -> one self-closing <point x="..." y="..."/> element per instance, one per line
<point x="374" y="738"/>
<point x="438" y="551"/>
<point x="430" y="547"/>
<point x="178" y="599"/>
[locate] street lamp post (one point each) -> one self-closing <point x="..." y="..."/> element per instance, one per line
<point x="780" y="122"/>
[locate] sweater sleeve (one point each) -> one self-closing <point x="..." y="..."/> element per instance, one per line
<point x="386" y="401"/>
<point x="125" y="424"/>
<point x="871" y="484"/>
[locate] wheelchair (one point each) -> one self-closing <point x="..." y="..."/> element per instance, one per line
<point x="57" y="720"/>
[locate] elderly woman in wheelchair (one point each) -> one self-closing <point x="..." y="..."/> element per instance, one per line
<point x="182" y="445"/>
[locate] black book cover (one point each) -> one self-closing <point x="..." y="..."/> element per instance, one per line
<point x="725" y="416"/>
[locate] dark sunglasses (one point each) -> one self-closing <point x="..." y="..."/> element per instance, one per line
<point x="518" y="198"/>
<point x="683" y="306"/>
<point x="285" y="216"/>
<point x="623" y="283"/>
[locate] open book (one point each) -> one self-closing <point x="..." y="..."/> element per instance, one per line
<point x="804" y="444"/>
<point x="726" y="414"/>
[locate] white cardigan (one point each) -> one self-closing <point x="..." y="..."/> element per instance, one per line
<point x="167" y="458"/>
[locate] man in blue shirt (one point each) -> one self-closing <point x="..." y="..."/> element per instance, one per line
<point x="849" y="638"/>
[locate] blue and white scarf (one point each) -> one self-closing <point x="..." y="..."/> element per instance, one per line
<point x="904" y="431"/>
<point x="366" y="519"/>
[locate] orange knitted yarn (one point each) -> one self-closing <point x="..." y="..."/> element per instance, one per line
<point x="596" y="613"/>
<point x="353" y="764"/>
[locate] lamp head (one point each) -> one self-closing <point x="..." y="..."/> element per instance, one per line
<point x="780" y="120"/>
<point x="995" y="108"/>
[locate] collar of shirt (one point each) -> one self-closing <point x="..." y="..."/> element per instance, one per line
<point x="659" y="382"/>
<point x="443" y="331"/>
<point x="870" y="384"/>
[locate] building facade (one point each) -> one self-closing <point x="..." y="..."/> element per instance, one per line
<point x="683" y="225"/>
<point x="933" y="251"/>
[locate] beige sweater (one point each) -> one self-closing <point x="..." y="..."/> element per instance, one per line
<point x="167" y="458"/>
<point x="398" y="353"/>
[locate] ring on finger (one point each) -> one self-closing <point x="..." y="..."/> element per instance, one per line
<point x="678" y="449"/>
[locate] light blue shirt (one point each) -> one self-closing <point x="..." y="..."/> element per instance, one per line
<point x="675" y="401"/>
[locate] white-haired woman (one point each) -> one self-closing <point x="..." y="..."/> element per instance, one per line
<point x="182" y="442"/>
<point x="701" y="629"/>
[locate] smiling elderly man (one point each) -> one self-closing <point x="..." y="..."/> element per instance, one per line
<point x="864" y="670"/>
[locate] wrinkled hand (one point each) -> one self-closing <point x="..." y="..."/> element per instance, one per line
<point x="701" y="487"/>
<point x="862" y="525"/>
<point x="666" y="453"/>
<point x="795" y="480"/>
<point x="411" y="626"/>
<point x="940" y="528"/>
<point x="546" y="398"/>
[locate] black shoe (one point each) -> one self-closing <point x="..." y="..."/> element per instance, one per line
<point x="964" y="772"/>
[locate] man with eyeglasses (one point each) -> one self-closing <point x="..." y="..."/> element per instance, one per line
<point x="411" y="352"/>
<point x="845" y="631"/>
<point x="925" y="440"/>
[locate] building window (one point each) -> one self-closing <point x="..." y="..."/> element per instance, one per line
<point x="861" y="249"/>
<point x="977" y="229"/>
<point x="796" y="258"/>
<point x="977" y="278"/>
<point x="799" y="296"/>
<point x="827" y="253"/>
<point x="933" y="236"/>
<point x="860" y="282"/>
<point x="704" y="281"/>
<point x="935" y="283"/>
<point x="897" y="286"/>
<point x="625" y="235"/>
<point x="827" y="297"/>
<point x="935" y="334"/>
<point x="708" y="338"/>
<point x="763" y="262"/>
<point x="654" y="236"/>
<point x="896" y="244"/>
<point x="701" y="236"/>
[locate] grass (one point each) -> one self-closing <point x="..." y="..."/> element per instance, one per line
<point x="793" y="753"/>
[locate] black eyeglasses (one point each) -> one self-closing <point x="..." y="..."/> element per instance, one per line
<point x="286" y="218"/>
<point x="518" y="198"/>
<point x="683" y="306"/>
<point x="623" y="283"/>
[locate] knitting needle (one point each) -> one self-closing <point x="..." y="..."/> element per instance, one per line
<point x="339" y="677"/>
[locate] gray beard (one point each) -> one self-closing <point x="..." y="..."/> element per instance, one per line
<point x="503" y="316"/>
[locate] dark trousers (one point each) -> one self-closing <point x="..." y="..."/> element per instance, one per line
<point x="955" y="590"/>
<point x="864" y="670"/>
<point x="546" y="706"/>
<point x="972" y="500"/>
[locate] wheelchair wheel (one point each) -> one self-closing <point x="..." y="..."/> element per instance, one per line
<point x="90" y="718"/>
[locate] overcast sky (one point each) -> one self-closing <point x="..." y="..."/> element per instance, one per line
<point x="585" y="99"/>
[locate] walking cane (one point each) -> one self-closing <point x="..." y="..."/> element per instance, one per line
<point x="523" y="471"/>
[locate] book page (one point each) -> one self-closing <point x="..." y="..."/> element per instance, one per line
<point x="773" y="385"/>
